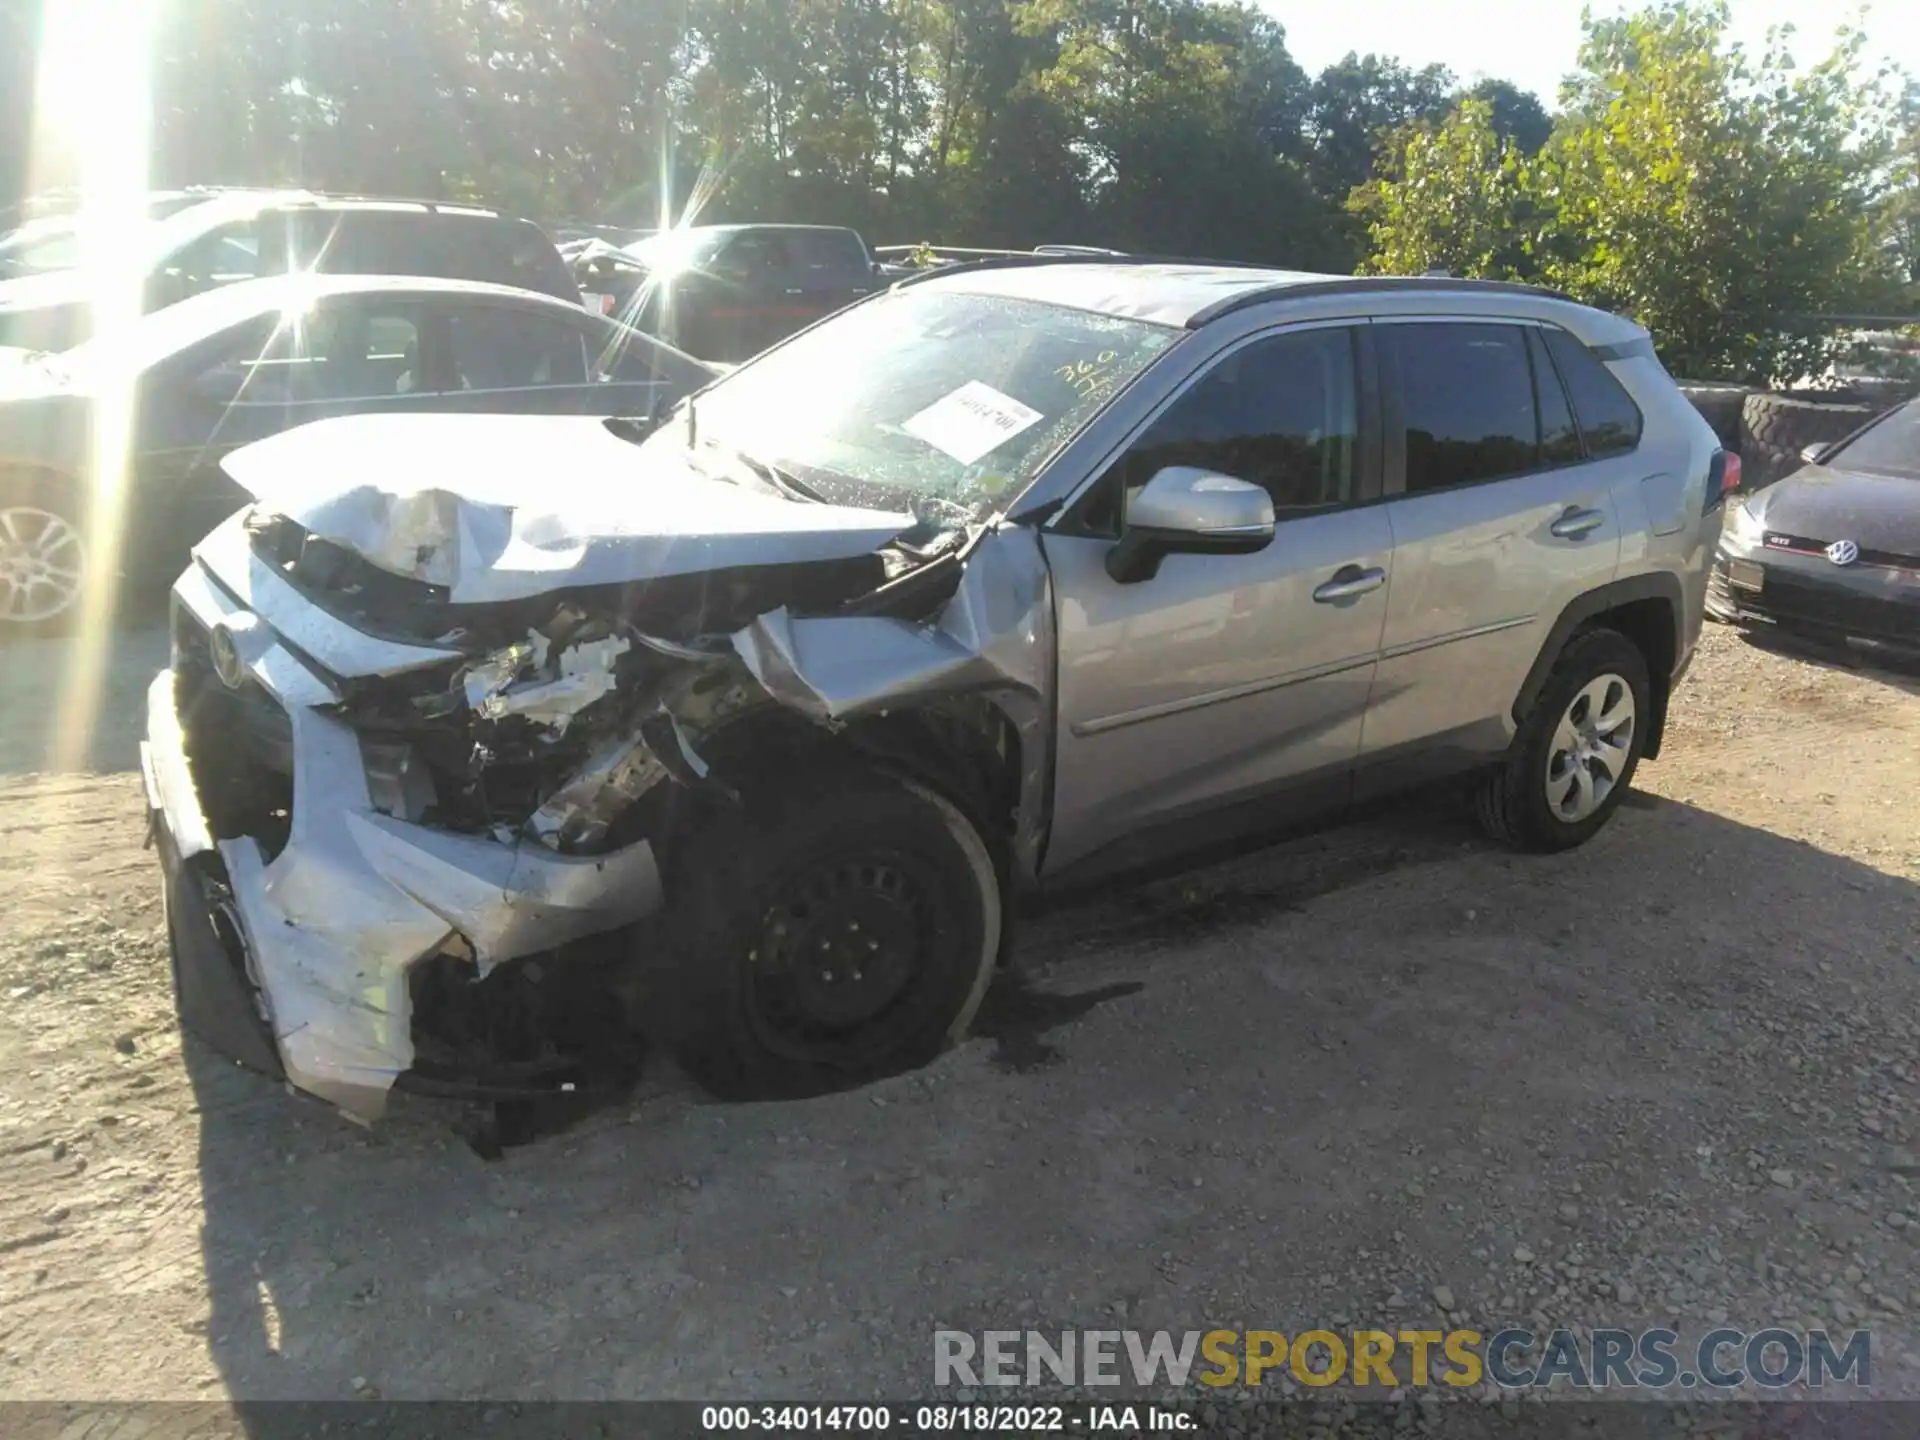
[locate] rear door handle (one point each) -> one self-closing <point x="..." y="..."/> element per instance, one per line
<point x="1577" y="524"/>
<point x="1347" y="582"/>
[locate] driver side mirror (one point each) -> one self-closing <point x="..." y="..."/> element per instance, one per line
<point x="1184" y="510"/>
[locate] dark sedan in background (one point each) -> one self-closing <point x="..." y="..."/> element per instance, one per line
<point x="1832" y="552"/>
<point x="727" y="292"/>
<point x="249" y="360"/>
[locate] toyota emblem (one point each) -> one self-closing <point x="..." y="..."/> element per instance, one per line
<point x="1843" y="552"/>
<point x="226" y="660"/>
<point x="233" y="646"/>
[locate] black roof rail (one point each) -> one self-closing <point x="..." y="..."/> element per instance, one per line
<point x="1013" y="259"/>
<point x="1369" y="284"/>
<point x="1321" y="285"/>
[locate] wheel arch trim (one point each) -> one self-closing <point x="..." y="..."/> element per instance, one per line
<point x="1583" y="610"/>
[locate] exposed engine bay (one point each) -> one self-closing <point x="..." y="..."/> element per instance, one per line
<point x="411" y="816"/>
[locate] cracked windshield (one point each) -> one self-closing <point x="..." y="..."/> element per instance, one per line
<point x="944" y="404"/>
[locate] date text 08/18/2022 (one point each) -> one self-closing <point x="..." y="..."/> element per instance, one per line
<point x="961" y="1419"/>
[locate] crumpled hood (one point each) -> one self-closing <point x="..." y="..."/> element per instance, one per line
<point x="504" y="507"/>
<point x="1876" y="512"/>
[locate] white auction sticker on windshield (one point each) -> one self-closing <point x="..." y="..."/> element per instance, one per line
<point x="971" y="421"/>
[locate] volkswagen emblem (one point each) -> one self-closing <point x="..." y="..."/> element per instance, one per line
<point x="1843" y="552"/>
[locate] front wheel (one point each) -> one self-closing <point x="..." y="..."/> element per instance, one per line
<point x="835" y="931"/>
<point x="1576" y="751"/>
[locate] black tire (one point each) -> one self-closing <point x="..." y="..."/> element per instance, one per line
<point x="1511" y="803"/>
<point x="794" y="874"/>
<point x="1719" y="405"/>
<point x="26" y="497"/>
<point x="1774" y="429"/>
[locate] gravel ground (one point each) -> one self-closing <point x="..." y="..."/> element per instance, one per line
<point x="1382" y="1076"/>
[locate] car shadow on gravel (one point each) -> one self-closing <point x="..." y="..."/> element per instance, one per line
<point x="1889" y="668"/>
<point x="1667" y="1034"/>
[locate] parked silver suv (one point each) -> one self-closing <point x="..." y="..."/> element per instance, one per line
<point x="1012" y="573"/>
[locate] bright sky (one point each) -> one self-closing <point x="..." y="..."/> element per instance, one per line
<point x="1534" y="42"/>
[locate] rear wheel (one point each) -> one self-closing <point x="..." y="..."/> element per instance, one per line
<point x="43" y="555"/>
<point x="1576" y="751"/>
<point x="838" y="930"/>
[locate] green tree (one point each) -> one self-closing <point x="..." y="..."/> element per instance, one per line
<point x="1450" y="196"/>
<point x="1725" y="201"/>
<point x="1518" y="114"/>
<point x="1187" y="112"/>
<point x="1356" y="104"/>
<point x="1900" y="215"/>
<point x="1722" y="200"/>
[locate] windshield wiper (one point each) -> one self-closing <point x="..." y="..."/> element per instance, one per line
<point x="784" y="481"/>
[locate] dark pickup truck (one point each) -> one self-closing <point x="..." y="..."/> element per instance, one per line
<point x="726" y="292"/>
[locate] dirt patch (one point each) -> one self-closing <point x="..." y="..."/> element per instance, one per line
<point x="1674" y="1071"/>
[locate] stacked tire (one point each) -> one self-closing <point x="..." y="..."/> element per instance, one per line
<point x="1775" y="428"/>
<point x="1719" y="405"/>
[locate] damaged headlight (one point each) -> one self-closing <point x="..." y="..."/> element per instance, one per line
<point x="553" y="736"/>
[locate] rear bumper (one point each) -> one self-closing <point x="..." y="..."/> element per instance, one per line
<point x="295" y="959"/>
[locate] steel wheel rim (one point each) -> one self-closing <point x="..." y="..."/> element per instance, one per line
<point x="43" y="563"/>
<point x="1591" y="747"/>
<point x="838" y="950"/>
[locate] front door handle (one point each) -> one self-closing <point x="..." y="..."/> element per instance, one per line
<point x="1577" y="524"/>
<point x="1347" y="582"/>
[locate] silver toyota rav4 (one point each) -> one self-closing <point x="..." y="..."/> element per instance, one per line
<point x="487" y="737"/>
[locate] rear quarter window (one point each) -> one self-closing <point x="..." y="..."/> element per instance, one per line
<point x="1610" y="423"/>
<point x="828" y="253"/>
<point x="452" y="247"/>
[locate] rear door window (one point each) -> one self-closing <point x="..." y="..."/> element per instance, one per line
<point x="364" y="242"/>
<point x="504" y="252"/>
<point x="233" y="252"/>
<point x="452" y="247"/>
<point x="1466" y="400"/>
<point x="628" y="355"/>
<point x="754" y="257"/>
<point x="825" y="259"/>
<point x="1559" y="435"/>
<point x="1610" y="423"/>
<point x="341" y="351"/>
<point x="506" y="348"/>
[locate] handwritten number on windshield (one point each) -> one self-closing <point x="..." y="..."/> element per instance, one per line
<point x="1090" y="378"/>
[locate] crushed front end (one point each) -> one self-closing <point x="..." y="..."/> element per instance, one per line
<point x="406" y="841"/>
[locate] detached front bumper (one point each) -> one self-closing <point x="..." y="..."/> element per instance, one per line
<point x="292" y="951"/>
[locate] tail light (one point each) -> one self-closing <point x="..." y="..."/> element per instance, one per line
<point x="1723" y="478"/>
